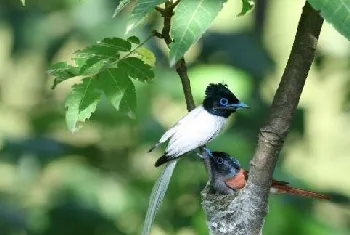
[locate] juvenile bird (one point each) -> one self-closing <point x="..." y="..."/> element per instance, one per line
<point x="197" y="128"/>
<point x="228" y="176"/>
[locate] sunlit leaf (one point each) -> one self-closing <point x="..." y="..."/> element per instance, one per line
<point x="192" y="18"/>
<point x="120" y="6"/>
<point x="247" y="6"/>
<point x="23" y="2"/>
<point x="82" y="102"/>
<point x="140" y="11"/>
<point x="146" y="56"/>
<point x="336" y="12"/>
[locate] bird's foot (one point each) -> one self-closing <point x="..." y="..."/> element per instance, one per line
<point x="207" y="154"/>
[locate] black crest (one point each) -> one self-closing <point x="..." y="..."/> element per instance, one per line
<point x="213" y="94"/>
<point x="214" y="89"/>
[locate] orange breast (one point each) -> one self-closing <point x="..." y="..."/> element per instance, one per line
<point x="238" y="181"/>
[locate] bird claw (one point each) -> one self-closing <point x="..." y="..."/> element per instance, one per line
<point x="207" y="155"/>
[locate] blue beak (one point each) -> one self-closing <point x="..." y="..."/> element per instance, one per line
<point x="209" y="152"/>
<point x="240" y="105"/>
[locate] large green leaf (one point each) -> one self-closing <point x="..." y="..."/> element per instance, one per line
<point x="137" y="69"/>
<point x="140" y="11"/>
<point x="192" y="18"/>
<point x="82" y="102"/>
<point x="336" y="12"/>
<point x="120" y="6"/>
<point x="119" y="89"/>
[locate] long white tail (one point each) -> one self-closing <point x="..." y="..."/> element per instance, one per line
<point x="157" y="196"/>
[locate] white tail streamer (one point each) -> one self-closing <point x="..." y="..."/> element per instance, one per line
<point x="157" y="195"/>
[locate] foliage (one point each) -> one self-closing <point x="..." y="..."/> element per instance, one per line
<point x="101" y="64"/>
<point x="336" y="12"/>
<point x="140" y="11"/>
<point x="120" y="6"/>
<point x="98" y="180"/>
<point x="247" y="5"/>
<point x="107" y="68"/>
<point x="191" y="20"/>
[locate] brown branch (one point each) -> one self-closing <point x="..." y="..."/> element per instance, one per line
<point x="245" y="213"/>
<point x="287" y="96"/>
<point x="181" y="67"/>
<point x="159" y="9"/>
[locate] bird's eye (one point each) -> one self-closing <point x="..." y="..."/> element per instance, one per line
<point x="236" y="164"/>
<point x="223" y="101"/>
<point x="220" y="160"/>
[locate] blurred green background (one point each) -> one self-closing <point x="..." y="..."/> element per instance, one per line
<point x="97" y="181"/>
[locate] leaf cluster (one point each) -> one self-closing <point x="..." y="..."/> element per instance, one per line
<point x="107" y="68"/>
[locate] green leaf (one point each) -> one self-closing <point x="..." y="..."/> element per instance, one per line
<point x="23" y="2"/>
<point x="140" y="11"/>
<point x="93" y="65"/>
<point x="247" y="6"/>
<point x="108" y="48"/>
<point x="82" y="102"/>
<point x="128" y="101"/>
<point x="192" y="18"/>
<point x="146" y="56"/>
<point x="336" y="12"/>
<point x="120" y="6"/>
<point x="119" y="89"/>
<point x="94" y="58"/>
<point x="133" y="39"/>
<point x="137" y="69"/>
<point x="61" y="72"/>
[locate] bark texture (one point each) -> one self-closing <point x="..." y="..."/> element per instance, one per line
<point x="244" y="213"/>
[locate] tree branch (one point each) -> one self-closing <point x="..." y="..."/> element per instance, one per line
<point x="181" y="67"/>
<point x="245" y="213"/>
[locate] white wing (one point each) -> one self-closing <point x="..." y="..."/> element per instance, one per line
<point x="190" y="116"/>
<point x="193" y="131"/>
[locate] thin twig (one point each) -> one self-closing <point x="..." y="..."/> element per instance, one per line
<point x="181" y="67"/>
<point x="140" y="45"/>
<point x="159" y="9"/>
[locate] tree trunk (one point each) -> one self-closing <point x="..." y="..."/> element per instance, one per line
<point x="244" y="212"/>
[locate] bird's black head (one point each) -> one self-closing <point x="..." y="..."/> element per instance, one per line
<point x="220" y="101"/>
<point x="224" y="165"/>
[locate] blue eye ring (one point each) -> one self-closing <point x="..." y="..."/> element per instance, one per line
<point x="223" y="101"/>
<point x="220" y="160"/>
